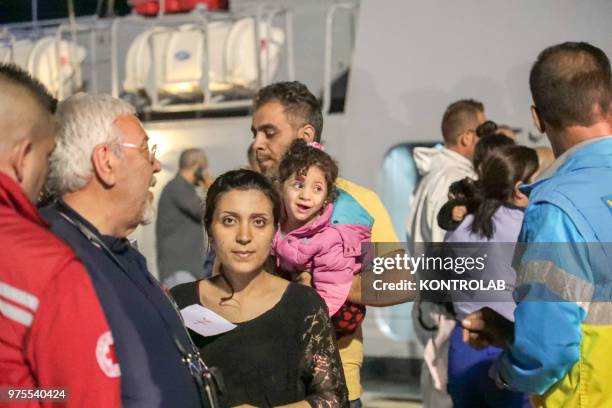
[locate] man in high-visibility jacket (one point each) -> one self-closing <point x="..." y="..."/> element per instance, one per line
<point x="558" y="346"/>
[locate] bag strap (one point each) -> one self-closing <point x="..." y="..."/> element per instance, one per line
<point x="203" y="376"/>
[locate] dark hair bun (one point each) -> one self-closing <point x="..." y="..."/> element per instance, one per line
<point x="487" y="128"/>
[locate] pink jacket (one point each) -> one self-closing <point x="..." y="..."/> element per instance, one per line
<point x="330" y="251"/>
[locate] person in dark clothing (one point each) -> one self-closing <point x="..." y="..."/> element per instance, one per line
<point x="277" y="346"/>
<point x="101" y="172"/>
<point x="180" y="241"/>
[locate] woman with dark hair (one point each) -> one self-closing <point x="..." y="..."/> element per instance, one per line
<point x="492" y="229"/>
<point x="271" y="339"/>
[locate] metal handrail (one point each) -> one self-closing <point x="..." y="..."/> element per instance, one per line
<point x="203" y="17"/>
<point x="10" y="38"/>
<point x="149" y="24"/>
<point x="205" y="82"/>
<point x="153" y="53"/>
<point x="290" y="50"/>
<point x="329" y="25"/>
<point x="257" y="38"/>
<point x="288" y="15"/>
<point x="92" y="30"/>
<point x="51" y="23"/>
<point x="132" y="18"/>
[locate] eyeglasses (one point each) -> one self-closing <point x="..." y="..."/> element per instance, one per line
<point x="152" y="150"/>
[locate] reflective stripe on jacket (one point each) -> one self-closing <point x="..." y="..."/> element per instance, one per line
<point x="563" y="320"/>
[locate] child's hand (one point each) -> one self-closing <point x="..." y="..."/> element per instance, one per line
<point x="304" y="278"/>
<point x="459" y="212"/>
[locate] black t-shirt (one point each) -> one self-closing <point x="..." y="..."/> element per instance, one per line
<point x="285" y="355"/>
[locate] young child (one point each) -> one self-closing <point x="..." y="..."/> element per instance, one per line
<point x="461" y="195"/>
<point x="494" y="227"/>
<point x="307" y="241"/>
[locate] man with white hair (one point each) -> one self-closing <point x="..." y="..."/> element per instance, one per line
<point x="101" y="172"/>
<point x="53" y="332"/>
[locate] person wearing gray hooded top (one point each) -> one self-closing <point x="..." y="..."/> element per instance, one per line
<point x="180" y="241"/>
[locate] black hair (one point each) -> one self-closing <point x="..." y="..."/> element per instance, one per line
<point x="568" y="82"/>
<point x="500" y="172"/>
<point x="13" y="74"/>
<point x="489" y="140"/>
<point x="486" y="128"/>
<point x="300" y="157"/>
<point x="461" y="193"/>
<point x="301" y="106"/>
<point x="241" y="180"/>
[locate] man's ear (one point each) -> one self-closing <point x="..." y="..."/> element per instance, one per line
<point x="103" y="161"/>
<point x="471" y="138"/>
<point x="464" y="139"/>
<point x="535" y="115"/>
<point x="307" y="132"/>
<point x="19" y="154"/>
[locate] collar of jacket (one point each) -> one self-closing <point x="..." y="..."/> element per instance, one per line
<point x="430" y="159"/>
<point x="13" y="197"/>
<point x="593" y="153"/>
<point x="117" y="245"/>
<point x="314" y="226"/>
<point x="353" y="235"/>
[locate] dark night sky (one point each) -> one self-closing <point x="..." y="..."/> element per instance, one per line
<point x="21" y="10"/>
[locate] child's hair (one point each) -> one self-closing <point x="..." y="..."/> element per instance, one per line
<point x="464" y="192"/>
<point x="500" y="172"/>
<point x="486" y="128"/>
<point x="301" y="156"/>
<point x="461" y="193"/>
<point x="490" y="139"/>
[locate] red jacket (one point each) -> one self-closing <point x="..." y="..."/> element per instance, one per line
<point x="53" y="332"/>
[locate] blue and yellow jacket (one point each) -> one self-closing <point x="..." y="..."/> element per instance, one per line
<point x="563" y="320"/>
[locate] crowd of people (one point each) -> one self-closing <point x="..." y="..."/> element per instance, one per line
<point x="263" y="269"/>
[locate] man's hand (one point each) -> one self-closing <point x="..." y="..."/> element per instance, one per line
<point x="362" y="293"/>
<point x="486" y="327"/>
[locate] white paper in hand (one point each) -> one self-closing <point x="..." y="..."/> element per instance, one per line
<point x="204" y="321"/>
